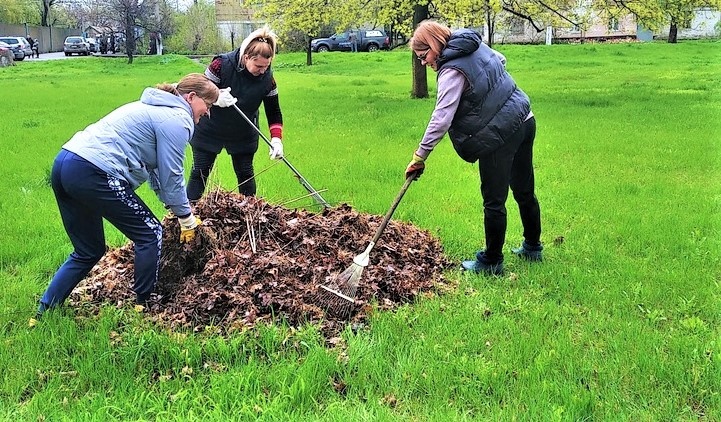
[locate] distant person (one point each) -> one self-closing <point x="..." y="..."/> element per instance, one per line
<point x="489" y="120"/>
<point x="245" y="74"/>
<point x="30" y="43"/>
<point x="103" y="44"/>
<point x="111" y="50"/>
<point x="96" y="173"/>
<point x="353" y="38"/>
<point x="153" y="49"/>
<point x="36" y="48"/>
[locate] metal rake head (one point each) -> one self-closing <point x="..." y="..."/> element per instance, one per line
<point x="338" y="295"/>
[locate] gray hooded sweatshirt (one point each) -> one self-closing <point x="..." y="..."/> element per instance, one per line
<point x="140" y="141"/>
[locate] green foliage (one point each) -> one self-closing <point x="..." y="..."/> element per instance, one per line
<point x="620" y="322"/>
<point x="196" y="31"/>
<point x="306" y="16"/>
<point x="18" y="12"/>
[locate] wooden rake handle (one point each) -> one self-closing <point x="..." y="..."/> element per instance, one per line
<point x="390" y="212"/>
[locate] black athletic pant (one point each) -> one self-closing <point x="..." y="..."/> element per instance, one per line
<point x="203" y="162"/>
<point x="510" y="166"/>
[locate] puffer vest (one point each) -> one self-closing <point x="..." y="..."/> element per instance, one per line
<point x="226" y="128"/>
<point x="490" y="110"/>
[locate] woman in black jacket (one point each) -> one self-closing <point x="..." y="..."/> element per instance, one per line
<point x="247" y="73"/>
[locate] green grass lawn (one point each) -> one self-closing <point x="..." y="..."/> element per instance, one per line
<point x="620" y="322"/>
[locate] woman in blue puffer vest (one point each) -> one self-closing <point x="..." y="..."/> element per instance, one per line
<point x="489" y="120"/>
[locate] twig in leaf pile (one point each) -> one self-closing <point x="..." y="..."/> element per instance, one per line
<point x="258" y="173"/>
<point x="251" y="233"/>
<point x="301" y="197"/>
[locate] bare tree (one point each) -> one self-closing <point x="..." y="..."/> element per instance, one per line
<point x="45" y="11"/>
<point x="150" y="15"/>
<point x="128" y="13"/>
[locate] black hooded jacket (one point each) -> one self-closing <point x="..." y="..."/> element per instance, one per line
<point x="226" y="128"/>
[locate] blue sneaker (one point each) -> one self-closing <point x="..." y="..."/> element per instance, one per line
<point x="528" y="252"/>
<point x="482" y="265"/>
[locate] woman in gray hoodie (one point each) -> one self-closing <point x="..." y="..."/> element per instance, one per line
<point x="95" y="175"/>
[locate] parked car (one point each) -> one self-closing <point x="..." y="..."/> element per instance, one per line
<point x="7" y="57"/>
<point x="75" y="45"/>
<point x="92" y="45"/>
<point x="368" y="40"/>
<point x="20" y="46"/>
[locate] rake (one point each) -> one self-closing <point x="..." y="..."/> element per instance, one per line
<point x="338" y="295"/>
<point x="313" y="192"/>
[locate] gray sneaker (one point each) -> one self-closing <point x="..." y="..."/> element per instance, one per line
<point x="480" y="265"/>
<point x="528" y="252"/>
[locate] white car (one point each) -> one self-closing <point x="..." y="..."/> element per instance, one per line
<point x="92" y="45"/>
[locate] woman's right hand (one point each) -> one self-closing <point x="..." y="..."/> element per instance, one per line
<point x="225" y="99"/>
<point x="416" y="167"/>
<point x="187" y="228"/>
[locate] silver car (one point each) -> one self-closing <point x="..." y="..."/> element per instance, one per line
<point x="20" y="46"/>
<point x="75" y="45"/>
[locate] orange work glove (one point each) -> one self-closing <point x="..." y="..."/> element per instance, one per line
<point x="416" y="167"/>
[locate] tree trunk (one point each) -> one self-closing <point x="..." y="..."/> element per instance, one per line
<point x="308" y="55"/>
<point x="491" y="29"/>
<point x="673" y="33"/>
<point x="420" y="81"/>
<point x="45" y="13"/>
<point x="129" y="37"/>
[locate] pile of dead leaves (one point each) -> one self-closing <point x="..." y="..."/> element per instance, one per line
<point x="253" y="261"/>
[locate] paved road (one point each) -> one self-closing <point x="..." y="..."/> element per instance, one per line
<point x="51" y="56"/>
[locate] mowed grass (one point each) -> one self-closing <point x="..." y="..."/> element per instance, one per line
<point x="621" y="321"/>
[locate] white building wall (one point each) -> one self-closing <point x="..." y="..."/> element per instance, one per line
<point x="703" y="25"/>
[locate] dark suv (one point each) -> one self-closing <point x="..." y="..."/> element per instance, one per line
<point x="367" y="39"/>
<point x="20" y="46"/>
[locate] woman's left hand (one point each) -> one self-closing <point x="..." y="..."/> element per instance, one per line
<point x="276" y="149"/>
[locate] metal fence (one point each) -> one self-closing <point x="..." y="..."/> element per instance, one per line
<point x="50" y="38"/>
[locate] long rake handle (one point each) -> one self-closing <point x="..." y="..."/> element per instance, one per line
<point x="390" y="212"/>
<point x="314" y="193"/>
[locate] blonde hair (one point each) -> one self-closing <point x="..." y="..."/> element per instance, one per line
<point x="193" y="82"/>
<point x="260" y="42"/>
<point x="430" y="35"/>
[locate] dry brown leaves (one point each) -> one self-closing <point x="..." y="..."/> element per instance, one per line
<point x="253" y="261"/>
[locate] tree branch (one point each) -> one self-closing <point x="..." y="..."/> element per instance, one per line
<point x="557" y="13"/>
<point x="526" y="17"/>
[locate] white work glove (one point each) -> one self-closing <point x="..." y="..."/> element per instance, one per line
<point x="187" y="228"/>
<point x="225" y="99"/>
<point x="276" y="149"/>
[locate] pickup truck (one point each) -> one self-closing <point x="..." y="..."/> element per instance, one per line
<point x="367" y="39"/>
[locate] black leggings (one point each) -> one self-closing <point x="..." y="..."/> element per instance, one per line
<point x="510" y="166"/>
<point x="203" y="164"/>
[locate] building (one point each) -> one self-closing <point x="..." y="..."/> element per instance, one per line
<point x="235" y="20"/>
<point x="601" y="28"/>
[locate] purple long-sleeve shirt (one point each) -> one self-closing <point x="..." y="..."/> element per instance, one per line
<point x="451" y="84"/>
